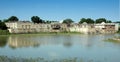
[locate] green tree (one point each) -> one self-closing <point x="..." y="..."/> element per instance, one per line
<point x="43" y="21"/>
<point x="36" y="19"/>
<point x="100" y="20"/>
<point x="88" y="20"/>
<point x="82" y="20"/>
<point x="3" y="26"/>
<point x="117" y="22"/>
<point x="48" y="21"/>
<point x="5" y="20"/>
<point x="13" y="19"/>
<point x="68" y="21"/>
<point x="108" y="21"/>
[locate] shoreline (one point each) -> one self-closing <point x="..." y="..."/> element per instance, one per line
<point x="5" y="32"/>
<point x="114" y="39"/>
<point x="43" y="33"/>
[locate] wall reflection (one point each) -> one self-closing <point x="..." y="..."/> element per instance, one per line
<point x="21" y="41"/>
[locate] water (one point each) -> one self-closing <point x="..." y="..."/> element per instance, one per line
<point x="83" y="47"/>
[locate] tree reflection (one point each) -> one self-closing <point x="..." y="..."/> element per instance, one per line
<point x="21" y="41"/>
<point x="67" y="44"/>
<point x="3" y="41"/>
<point x="67" y="41"/>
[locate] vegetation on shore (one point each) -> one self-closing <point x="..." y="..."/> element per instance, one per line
<point x="4" y="32"/>
<point x="2" y="26"/>
<point x="37" y="19"/>
<point x="119" y="30"/>
<point x="39" y="59"/>
<point x="48" y="33"/>
<point x="114" y="39"/>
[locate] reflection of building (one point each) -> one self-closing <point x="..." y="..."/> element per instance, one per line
<point x="29" y="41"/>
<point x="36" y="41"/>
<point x="28" y="27"/>
<point x="21" y="42"/>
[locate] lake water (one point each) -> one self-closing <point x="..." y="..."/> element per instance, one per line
<point x="83" y="47"/>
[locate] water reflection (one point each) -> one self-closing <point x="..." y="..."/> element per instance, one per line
<point x="3" y="41"/>
<point x="67" y="44"/>
<point x="66" y="41"/>
<point x="61" y="46"/>
<point x="21" y="41"/>
<point x="35" y="41"/>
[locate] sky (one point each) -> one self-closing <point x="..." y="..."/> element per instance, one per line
<point x="58" y="10"/>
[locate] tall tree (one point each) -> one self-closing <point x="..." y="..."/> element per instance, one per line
<point x="13" y="19"/>
<point x="36" y="19"/>
<point x="88" y="20"/>
<point x="82" y="20"/>
<point x="100" y="20"/>
<point x="68" y="21"/>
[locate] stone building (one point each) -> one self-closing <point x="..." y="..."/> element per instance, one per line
<point x="83" y="28"/>
<point x="106" y="27"/>
<point x="29" y="27"/>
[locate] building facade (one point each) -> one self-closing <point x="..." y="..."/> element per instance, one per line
<point x="29" y="27"/>
<point x="106" y="27"/>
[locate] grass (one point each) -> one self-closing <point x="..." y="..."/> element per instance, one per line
<point x="119" y="31"/>
<point x="113" y="40"/>
<point x="4" y="32"/>
<point x="47" y="33"/>
<point x="55" y="33"/>
<point x="19" y="59"/>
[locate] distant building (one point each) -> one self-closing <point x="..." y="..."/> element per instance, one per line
<point x="29" y="27"/>
<point x="106" y="27"/>
<point x="83" y="28"/>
